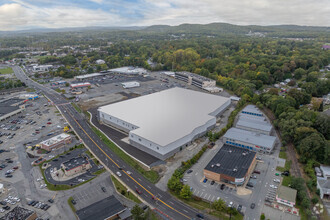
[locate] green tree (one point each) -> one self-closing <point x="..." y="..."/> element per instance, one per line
<point x="185" y="192"/>
<point x="219" y="205"/>
<point x="262" y="216"/>
<point x="137" y="213"/>
<point x="174" y="184"/>
<point x="298" y="73"/>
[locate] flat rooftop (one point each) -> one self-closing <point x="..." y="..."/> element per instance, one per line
<point x="251" y="137"/>
<point x="88" y="75"/>
<point x="252" y="109"/>
<point x="18" y="213"/>
<point x="55" y="139"/>
<point x="231" y="161"/>
<point x="255" y="124"/>
<point x="75" y="162"/>
<point x="194" y="76"/>
<point x="287" y="193"/>
<point x="166" y="116"/>
<point x="128" y="70"/>
<point x="101" y="210"/>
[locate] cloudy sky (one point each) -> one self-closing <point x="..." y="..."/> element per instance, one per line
<point x="28" y="14"/>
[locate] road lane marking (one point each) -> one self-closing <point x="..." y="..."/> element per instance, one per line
<point x="124" y="170"/>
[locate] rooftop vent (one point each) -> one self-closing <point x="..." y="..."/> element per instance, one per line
<point x="235" y="170"/>
<point x="230" y="151"/>
<point x="243" y="153"/>
<point x="218" y="164"/>
<point x="212" y="165"/>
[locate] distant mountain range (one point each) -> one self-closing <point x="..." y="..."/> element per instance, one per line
<point x="213" y="28"/>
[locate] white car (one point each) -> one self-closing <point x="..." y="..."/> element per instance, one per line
<point x="277" y="180"/>
<point x="51" y="170"/>
<point x="128" y="172"/>
<point x="230" y="204"/>
<point x="2" y="210"/>
<point x="271" y="186"/>
<point x="10" y="197"/>
<point x="118" y="173"/>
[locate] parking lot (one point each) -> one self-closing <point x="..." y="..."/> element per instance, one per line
<point x="39" y="121"/>
<point x="100" y="190"/>
<point x="55" y="164"/>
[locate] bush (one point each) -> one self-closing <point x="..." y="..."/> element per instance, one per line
<point x="315" y="200"/>
<point x="123" y="192"/>
<point x="262" y="216"/>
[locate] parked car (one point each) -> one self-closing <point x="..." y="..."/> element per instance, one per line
<point x="73" y="202"/>
<point x="205" y="180"/>
<point x="189" y="171"/>
<point x="222" y="186"/>
<point x="103" y="189"/>
<point x="212" y="183"/>
<point x="257" y="172"/>
<point x="252" y="205"/>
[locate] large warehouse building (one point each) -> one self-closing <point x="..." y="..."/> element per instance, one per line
<point x="230" y="164"/>
<point x="162" y="123"/>
<point x="249" y="140"/>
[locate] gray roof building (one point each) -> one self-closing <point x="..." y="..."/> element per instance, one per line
<point x="325" y="171"/>
<point x="287" y="193"/>
<point x="20" y="213"/>
<point x="252" y="110"/>
<point x="103" y="209"/>
<point x="75" y="162"/>
<point x="324" y="186"/>
<point x="252" y="124"/>
<point x="250" y="137"/>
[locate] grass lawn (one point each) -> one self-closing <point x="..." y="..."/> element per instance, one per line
<point x="151" y="175"/>
<point x="71" y="205"/>
<point x="76" y="107"/>
<point x="282" y="154"/>
<point x="286" y="180"/>
<point x="202" y="205"/>
<point x="286" y="167"/>
<point x="123" y="190"/>
<point x="30" y="90"/>
<point x="6" y="71"/>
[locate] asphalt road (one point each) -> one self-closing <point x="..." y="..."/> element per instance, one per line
<point x="163" y="202"/>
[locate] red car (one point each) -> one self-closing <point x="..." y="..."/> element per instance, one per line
<point x="49" y="123"/>
<point x="138" y="191"/>
<point x="154" y="198"/>
<point x="15" y="168"/>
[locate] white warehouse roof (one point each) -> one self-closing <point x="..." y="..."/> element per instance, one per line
<point x="166" y="116"/>
<point x="250" y="137"/>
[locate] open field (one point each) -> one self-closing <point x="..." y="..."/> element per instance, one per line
<point x="6" y="71"/>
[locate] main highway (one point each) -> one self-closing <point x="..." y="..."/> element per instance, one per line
<point x="163" y="201"/>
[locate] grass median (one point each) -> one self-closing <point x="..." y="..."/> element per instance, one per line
<point x="123" y="190"/>
<point x="71" y="205"/>
<point x="150" y="175"/>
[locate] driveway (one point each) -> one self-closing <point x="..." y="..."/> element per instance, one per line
<point x="74" y="181"/>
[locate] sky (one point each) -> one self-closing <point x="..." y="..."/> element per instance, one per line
<point x="30" y="14"/>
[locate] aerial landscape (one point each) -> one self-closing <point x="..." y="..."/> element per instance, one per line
<point x="164" y="110"/>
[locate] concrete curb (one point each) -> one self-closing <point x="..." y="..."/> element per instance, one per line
<point x="90" y="120"/>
